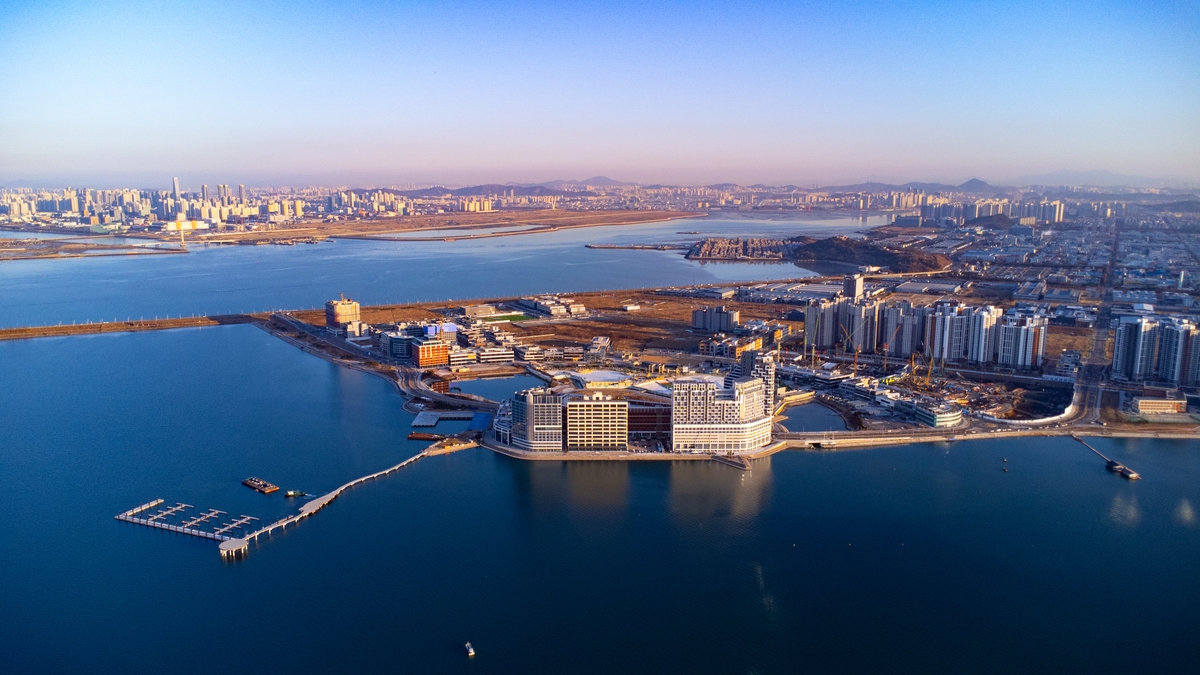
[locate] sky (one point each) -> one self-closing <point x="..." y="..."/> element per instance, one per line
<point x="381" y="93"/>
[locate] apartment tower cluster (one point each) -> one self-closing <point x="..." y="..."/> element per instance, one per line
<point x="946" y="331"/>
<point x="1157" y="349"/>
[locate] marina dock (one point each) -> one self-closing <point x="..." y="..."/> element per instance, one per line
<point x="165" y="519"/>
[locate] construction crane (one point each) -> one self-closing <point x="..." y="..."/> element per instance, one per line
<point x="887" y="346"/>
<point x="857" y="349"/>
<point x="816" y="328"/>
<point x="929" y="373"/>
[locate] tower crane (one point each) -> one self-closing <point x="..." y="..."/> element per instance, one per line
<point x="887" y="346"/>
<point x="857" y="349"/>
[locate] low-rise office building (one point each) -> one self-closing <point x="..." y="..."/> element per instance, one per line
<point x="596" y="422"/>
<point x="929" y="413"/>
<point x="1159" y="406"/>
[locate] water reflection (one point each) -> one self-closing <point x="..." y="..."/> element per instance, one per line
<point x="694" y="489"/>
<point x="585" y="486"/>
<point x="1125" y="510"/>
<point x="1184" y="512"/>
<point x="708" y="489"/>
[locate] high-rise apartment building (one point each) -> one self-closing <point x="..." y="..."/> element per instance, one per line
<point x="709" y="418"/>
<point x="982" y="336"/>
<point x="852" y="286"/>
<point x="716" y="319"/>
<point x="1191" y="366"/>
<point x="946" y="332"/>
<point x="1174" y="347"/>
<point x="1135" y="348"/>
<point x="1021" y="342"/>
<point x="857" y="320"/>
<point x="821" y="321"/>
<point x="760" y="365"/>
<point x="537" y="420"/>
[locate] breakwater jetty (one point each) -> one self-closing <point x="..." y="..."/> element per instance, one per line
<point x="130" y="326"/>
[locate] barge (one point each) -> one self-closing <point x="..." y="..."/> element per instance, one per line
<point x="423" y="436"/>
<point x="260" y="485"/>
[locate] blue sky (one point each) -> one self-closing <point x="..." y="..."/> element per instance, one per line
<point x="395" y="92"/>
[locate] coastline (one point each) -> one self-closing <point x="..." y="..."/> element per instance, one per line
<point x="383" y="236"/>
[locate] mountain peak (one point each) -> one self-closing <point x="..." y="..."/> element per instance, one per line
<point x="974" y="185"/>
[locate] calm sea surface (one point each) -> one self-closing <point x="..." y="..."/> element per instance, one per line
<point x="813" y="417"/>
<point x="922" y="559"/>
<point x="232" y="279"/>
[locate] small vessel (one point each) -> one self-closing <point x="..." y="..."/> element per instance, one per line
<point x="1006" y="469"/>
<point x="295" y="493"/>
<point x="422" y="436"/>
<point x="260" y="485"/>
<point x="470" y="651"/>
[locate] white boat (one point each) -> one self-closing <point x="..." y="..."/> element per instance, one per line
<point x="470" y="650"/>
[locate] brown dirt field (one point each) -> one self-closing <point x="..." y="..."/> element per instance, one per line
<point x="539" y="218"/>
<point x="885" y="231"/>
<point x="663" y="322"/>
<point x="1059" y="338"/>
<point x="379" y="314"/>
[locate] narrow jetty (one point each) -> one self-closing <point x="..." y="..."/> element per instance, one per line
<point x="232" y="548"/>
<point x="736" y="461"/>
<point x="1111" y="464"/>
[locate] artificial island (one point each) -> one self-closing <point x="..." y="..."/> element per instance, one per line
<point x="974" y="320"/>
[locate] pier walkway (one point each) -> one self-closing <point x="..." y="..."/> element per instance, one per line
<point x="430" y="418"/>
<point x="231" y="547"/>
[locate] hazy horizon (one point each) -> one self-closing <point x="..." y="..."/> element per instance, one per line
<point x="381" y="93"/>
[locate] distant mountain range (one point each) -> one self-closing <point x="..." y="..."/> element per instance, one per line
<point x="1095" y="178"/>
<point x="974" y="185"/>
<point x="598" y="181"/>
<point x="486" y="189"/>
<point x="563" y="187"/>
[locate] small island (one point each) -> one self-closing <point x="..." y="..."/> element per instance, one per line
<point x="801" y="249"/>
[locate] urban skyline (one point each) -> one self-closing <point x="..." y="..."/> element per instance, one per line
<point x="387" y="335"/>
